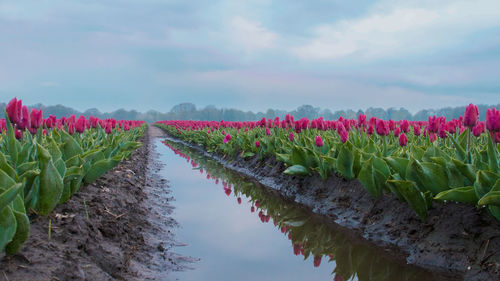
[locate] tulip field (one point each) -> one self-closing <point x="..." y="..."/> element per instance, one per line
<point x="43" y="161"/>
<point x="418" y="161"/>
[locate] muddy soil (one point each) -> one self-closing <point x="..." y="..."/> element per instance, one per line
<point x="118" y="228"/>
<point x="456" y="240"/>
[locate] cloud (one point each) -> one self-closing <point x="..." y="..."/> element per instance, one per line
<point x="250" y="35"/>
<point x="400" y="30"/>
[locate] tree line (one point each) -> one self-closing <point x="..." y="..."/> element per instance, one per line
<point x="189" y="111"/>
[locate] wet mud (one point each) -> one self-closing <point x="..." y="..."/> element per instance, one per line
<point x="458" y="241"/>
<point x="117" y="228"/>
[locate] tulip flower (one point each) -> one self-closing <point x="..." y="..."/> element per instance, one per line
<point x="416" y="130"/>
<point x="36" y="118"/>
<point x="14" y="110"/>
<point x="344" y="136"/>
<point x="227" y="138"/>
<point x="442" y="131"/>
<point x="25" y="119"/>
<point x="478" y="129"/>
<point x="18" y="134"/>
<point x="227" y="191"/>
<point x="382" y="127"/>
<point x="239" y="200"/>
<point x="71" y="129"/>
<point x="471" y="116"/>
<point x="397" y="131"/>
<point x="493" y="120"/>
<point x="268" y="132"/>
<point x="403" y="140"/>
<point x="290" y="136"/>
<point x="318" y="141"/>
<point x="252" y="209"/>
<point x="257" y="144"/>
<point x="405" y="126"/>
<point x="296" y="249"/>
<point x="80" y="124"/>
<point x="317" y="261"/>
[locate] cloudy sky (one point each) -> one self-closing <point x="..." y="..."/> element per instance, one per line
<point x="337" y="54"/>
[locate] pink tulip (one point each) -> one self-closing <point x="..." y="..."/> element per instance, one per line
<point x="403" y="140"/>
<point x="317" y="261"/>
<point x="471" y="116"/>
<point x="71" y="129"/>
<point x="239" y="200"/>
<point x="18" y="134"/>
<point x="318" y="141"/>
<point x="478" y="129"/>
<point x="36" y="118"/>
<point x="405" y="126"/>
<point x="257" y="144"/>
<point x="382" y="127"/>
<point x="290" y="136"/>
<point x="344" y="136"/>
<point x="252" y="209"/>
<point x="80" y="124"/>
<point x="416" y="130"/>
<point x="397" y="131"/>
<point x="493" y="120"/>
<point x="14" y="111"/>
<point x="268" y="132"/>
<point x="227" y="138"/>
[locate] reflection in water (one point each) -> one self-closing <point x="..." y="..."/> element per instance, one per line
<point x="311" y="236"/>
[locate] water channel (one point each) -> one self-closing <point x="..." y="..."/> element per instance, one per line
<point x="236" y="229"/>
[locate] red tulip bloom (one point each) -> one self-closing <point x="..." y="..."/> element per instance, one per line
<point x="239" y="200"/>
<point x="80" y="124"/>
<point x="416" y="130"/>
<point x="25" y="119"/>
<point x="478" y="129"/>
<point x="257" y="144"/>
<point x="493" y="120"/>
<point x="18" y="134"/>
<point x="403" y="140"/>
<point x="268" y="132"/>
<point x="317" y="261"/>
<point x="344" y="136"/>
<point x="227" y="138"/>
<point x="14" y="110"/>
<point x="296" y="249"/>
<point x="227" y="191"/>
<point x="397" y="131"/>
<point x="382" y="127"/>
<point x="36" y="118"/>
<point x="471" y="116"/>
<point x="290" y="136"/>
<point x="318" y="141"/>
<point x="71" y="129"/>
<point x="361" y="120"/>
<point x="252" y="209"/>
<point x="405" y="126"/>
<point x="442" y="131"/>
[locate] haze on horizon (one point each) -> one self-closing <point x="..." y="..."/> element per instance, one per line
<point x="252" y="55"/>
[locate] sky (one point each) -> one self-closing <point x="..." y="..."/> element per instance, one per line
<point x="250" y="55"/>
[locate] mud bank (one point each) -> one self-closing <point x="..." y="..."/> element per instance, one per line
<point x="456" y="240"/>
<point x="117" y="228"/>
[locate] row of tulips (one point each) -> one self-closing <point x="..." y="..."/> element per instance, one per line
<point x="418" y="161"/>
<point x="43" y="162"/>
<point x="310" y="237"/>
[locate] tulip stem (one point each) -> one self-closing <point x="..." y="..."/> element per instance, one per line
<point x="469" y="156"/>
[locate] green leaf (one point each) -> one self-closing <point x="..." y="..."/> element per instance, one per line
<point x="8" y="226"/>
<point x="7" y="196"/>
<point x="464" y="194"/>
<point x="51" y="183"/>
<point x="297" y="170"/>
<point x="484" y="182"/>
<point x="467" y="170"/>
<point x="492" y="198"/>
<point x="70" y="146"/>
<point x="398" y="164"/>
<point x="428" y="176"/>
<point x="21" y="235"/>
<point x="100" y="168"/>
<point x="492" y="156"/>
<point x="413" y="196"/>
<point x="248" y="154"/>
<point x="371" y="178"/>
<point x="345" y="162"/>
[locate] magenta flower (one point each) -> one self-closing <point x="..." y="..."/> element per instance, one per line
<point x="36" y="118"/>
<point x="382" y="127"/>
<point x="25" y="119"/>
<point x="257" y="144"/>
<point x="344" y="136"/>
<point x="318" y="141"/>
<point x="80" y="124"/>
<point x="268" y="132"/>
<point x="397" y="131"/>
<point x="227" y="138"/>
<point x="471" y="116"/>
<point x="290" y="136"/>
<point x="239" y="200"/>
<point x="416" y="130"/>
<point x="403" y="140"/>
<point x="317" y="261"/>
<point x="478" y="129"/>
<point x="493" y="120"/>
<point x="442" y="131"/>
<point x="405" y="126"/>
<point x="13" y="109"/>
